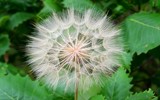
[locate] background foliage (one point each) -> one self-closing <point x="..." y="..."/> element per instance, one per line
<point x="139" y="77"/>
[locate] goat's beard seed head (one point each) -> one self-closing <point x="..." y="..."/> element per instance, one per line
<point x="62" y="45"/>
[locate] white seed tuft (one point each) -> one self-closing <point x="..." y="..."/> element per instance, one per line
<point x="74" y="42"/>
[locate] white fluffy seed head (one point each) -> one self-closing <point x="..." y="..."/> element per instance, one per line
<point x="87" y="43"/>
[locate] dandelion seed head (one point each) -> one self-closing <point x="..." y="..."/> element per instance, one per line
<point x="62" y="45"/>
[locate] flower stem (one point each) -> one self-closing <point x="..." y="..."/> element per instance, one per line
<point x="76" y="84"/>
<point x="76" y="90"/>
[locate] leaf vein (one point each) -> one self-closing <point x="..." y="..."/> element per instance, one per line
<point x="7" y="95"/>
<point x="144" y="24"/>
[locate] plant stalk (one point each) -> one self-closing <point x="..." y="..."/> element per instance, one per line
<point x="76" y="84"/>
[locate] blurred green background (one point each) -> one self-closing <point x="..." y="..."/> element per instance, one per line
<point x="17" y="19"/>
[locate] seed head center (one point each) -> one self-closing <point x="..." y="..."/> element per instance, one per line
<point x="75" y="53"/>
<point x="74" y="50"/>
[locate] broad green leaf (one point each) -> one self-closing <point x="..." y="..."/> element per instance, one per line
<point x="98" y="97"/>
<point x="51" y="4"/>
<point x="3" y="69"/>
<point x="146" y="95"/>
<point x="117" y="87"/>
<point x="22" y="88"/>
<point x="92" y="91"/>
<point x="18" y="18"/>
<point x="81" y="5"/>
<point x="10" y="69"/>
<point x="3" y="20"/>
<point x="142" y="31"/>
<point x="47" y="10"/>
<point x="4" y="43"/>
<point x="126" y="60"/>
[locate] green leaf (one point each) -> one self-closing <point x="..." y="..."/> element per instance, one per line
<point x="117" y="87"/>
<point x="92" y="91"/>
<point x="98" y="97"/>
<point x="3" y="20"/>
<point x="146" y="95"/>
<point x="142" y="32"/>
<point x="47" y="10"/>
<point x="22" y="88"/>
<point x="18" y="18"/>
<point x="3" y="69"/>
<point x="126" y="60"/>
<point x="8" y="68"/>
<point x="52" y="5"/>
<point x="81" y="5"/>
<point x="4" y="43"/>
